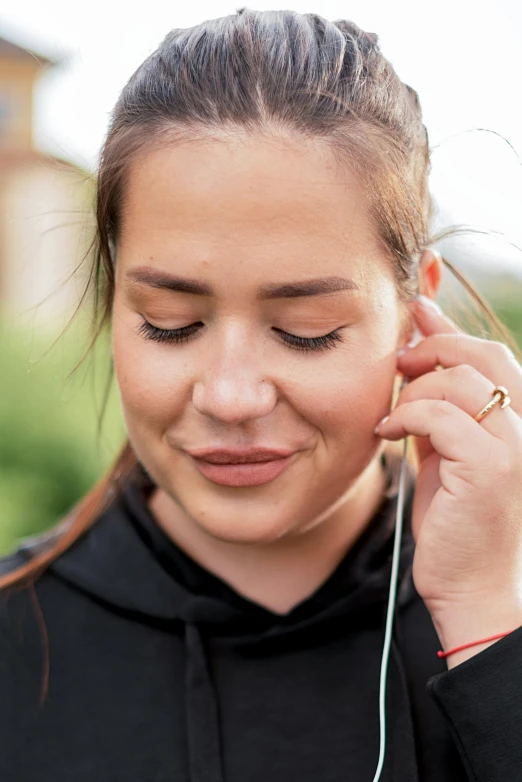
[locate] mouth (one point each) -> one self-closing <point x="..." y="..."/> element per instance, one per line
<point x="234" y="468"/>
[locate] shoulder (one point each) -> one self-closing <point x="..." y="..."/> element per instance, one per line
<point x="11" y="562"/>
<point x="32" y="546"/>
<point x="27" y="605"/>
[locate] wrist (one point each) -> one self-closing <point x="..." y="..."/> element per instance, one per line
<point x="465" y="623"/>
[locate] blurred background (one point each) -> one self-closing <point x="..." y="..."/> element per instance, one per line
<point x="61" y="69"/>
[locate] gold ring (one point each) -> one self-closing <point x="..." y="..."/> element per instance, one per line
<point x="500" y="394"/>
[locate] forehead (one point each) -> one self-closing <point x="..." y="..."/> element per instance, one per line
<point x="258" y="199"/>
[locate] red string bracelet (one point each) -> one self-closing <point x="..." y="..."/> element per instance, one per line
<point x="473" y="643"/>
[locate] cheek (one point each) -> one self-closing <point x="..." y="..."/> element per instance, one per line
<point x="351" y="400"/>
<point x="153" y="386"/>
<point x="347" y="395"/>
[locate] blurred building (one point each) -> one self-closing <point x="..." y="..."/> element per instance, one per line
<point x="43" y="203"/>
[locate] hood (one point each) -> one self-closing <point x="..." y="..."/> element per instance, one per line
<point x="127" y="562"/>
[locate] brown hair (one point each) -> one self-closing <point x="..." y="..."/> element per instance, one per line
<point x="262" y="72"/>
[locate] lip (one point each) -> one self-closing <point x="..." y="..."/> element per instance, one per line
<point x="249" y="468"/>
<point x="240" y="456"/>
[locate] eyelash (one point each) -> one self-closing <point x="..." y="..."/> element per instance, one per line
<point x="178" y="336"/>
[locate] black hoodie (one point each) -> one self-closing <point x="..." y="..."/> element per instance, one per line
<point x="160" y="672"/>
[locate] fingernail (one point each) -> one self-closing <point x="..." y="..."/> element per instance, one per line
<point x="403" y="350"/>
<point x="429" y="304"/>
<point x="380" y="424"/>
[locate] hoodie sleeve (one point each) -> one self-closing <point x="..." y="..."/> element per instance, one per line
<point x="481" y="698"/>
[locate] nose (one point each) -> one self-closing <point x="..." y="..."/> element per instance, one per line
<point x="233" y="386"/>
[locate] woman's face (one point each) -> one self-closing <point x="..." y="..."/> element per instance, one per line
<point x="262" y="253"/>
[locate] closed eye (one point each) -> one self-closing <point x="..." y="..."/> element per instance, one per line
<point x="179" y="336"/>
<point x="324" y="342"/>
<point x="170" y="336"/>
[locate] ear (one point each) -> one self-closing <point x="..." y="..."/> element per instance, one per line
<point x="430" y="276"/>
<point x="430" y="273"/>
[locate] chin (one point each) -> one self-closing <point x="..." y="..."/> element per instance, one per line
<point x="244" y="528"/>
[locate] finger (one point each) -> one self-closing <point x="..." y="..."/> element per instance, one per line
<point x="452" y="432"/>
<point x="431" y="319"/>
<point x="469" y="390"/>
<point x="491" y="359"/>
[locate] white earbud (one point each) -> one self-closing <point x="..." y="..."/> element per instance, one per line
<point x="417" y="337"/>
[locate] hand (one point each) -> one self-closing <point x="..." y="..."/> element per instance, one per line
<point x="467" y="512"/>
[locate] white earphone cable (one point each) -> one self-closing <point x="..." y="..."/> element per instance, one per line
<point x="390" y="612"/>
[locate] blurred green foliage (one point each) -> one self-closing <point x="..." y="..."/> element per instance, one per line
<point x="510" y="313"/>
<point x="50" y="449"/>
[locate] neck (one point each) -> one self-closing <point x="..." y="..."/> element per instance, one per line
<point x="281" y="574"/>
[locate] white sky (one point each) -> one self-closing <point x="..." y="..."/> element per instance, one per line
<point x="464" y="58"/>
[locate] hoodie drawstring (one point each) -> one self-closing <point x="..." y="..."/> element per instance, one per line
<point x="203" y="724"/>
<point x="204" y="740"/>
<point x="400" y="730"/>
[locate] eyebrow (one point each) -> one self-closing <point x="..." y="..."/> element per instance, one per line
<point x="287" y="290"/>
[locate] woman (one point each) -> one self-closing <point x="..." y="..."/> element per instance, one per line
<point x="214" y="609"/>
